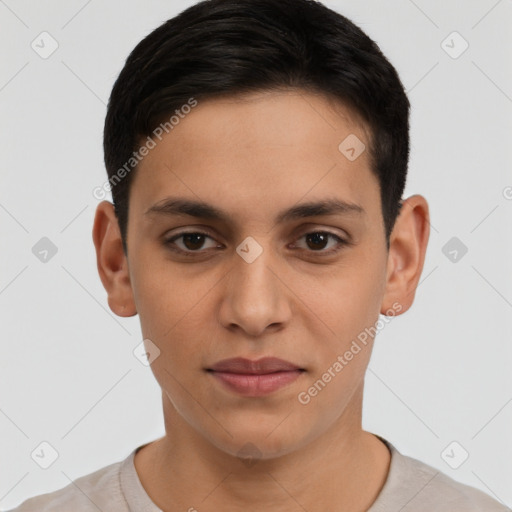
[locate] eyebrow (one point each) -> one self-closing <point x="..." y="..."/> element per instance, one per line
<point x="172" y="206"/>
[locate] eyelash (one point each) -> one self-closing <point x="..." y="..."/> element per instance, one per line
<point x="170" y="242"/>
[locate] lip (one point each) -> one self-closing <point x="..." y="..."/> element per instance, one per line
<point x="258" y="367"/>
<point x="255" y="378"/>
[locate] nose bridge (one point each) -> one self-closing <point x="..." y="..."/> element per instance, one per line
<point x="254" y="296"/>
<point x="252" y="280"/>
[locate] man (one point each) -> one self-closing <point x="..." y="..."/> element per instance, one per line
<point x="257" y="154"/>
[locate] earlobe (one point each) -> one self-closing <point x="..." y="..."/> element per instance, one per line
<point x="407" y="249"/>
<point x="111" y="261"/>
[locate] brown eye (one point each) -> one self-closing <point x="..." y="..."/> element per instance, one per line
<point x="317" y="241"/>
<point x="192" y="242"/>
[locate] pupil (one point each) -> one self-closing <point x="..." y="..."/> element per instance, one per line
<point x="194" y="238"/>
<point x="320" y="238"/>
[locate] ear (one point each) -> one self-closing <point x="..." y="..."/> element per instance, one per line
<point x="112" y="261"/>
<point x="407" y="248"/>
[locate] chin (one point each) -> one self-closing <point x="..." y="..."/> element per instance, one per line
<point x="260" y="440"/>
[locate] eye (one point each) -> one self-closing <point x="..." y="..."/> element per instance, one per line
<point x="317" y="241"/>
<point x="192" y="242"/>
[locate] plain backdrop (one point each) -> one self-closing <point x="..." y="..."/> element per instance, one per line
<point x="439" y="374"/>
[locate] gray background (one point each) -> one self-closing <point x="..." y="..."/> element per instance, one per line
<point x="440" y="373"/>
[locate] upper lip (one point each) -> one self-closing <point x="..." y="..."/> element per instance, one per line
<point x="257" y="367"/>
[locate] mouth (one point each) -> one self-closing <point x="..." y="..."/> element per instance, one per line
<point x="255" y="378"/>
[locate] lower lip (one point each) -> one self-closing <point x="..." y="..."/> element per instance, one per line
<point x="256" y="385"/>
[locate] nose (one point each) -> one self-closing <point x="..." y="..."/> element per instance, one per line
<point x="255" y="296"/>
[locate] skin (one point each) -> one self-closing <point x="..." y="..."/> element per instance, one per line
<point x="254" y="156"/>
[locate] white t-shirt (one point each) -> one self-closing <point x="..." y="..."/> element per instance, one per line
<point x="411" y="486"/>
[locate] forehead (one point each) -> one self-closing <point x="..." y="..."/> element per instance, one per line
<point x="272" y="119"/>
<point x="264" y="150"/>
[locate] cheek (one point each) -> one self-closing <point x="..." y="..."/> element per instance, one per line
<point x="349" y="306"/>
<point x="349" y="299"/>
<point x="166" y="296"/>
<point x="176" y="314"/>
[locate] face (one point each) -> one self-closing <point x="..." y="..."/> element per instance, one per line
<point x="285" y="258"/>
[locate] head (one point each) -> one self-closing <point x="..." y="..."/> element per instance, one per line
<point x="265" y="148"/>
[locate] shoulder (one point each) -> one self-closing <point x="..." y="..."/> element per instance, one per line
<point x="446" y="494"/>
<point x="415" y="486"/>
<point x="100" y="490"/>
